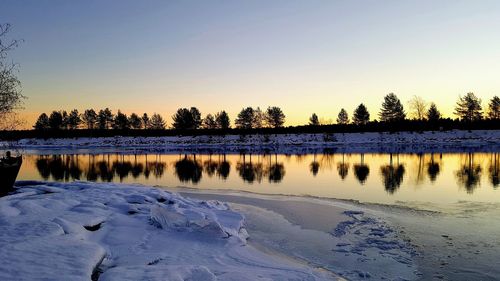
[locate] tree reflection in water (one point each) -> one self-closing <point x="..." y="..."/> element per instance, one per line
<point x="210" y="166"/>
<point x="188" y="169"/>
<point x="275" y="171"/>
<point x="249" y="171"/>
<point x="433" y="168"/>
<point x="71" y="167"/>
<point x="224" y="168"/>
<point x="314" y="166"/>
<point x="361" y="171"/>
<point x="494" y="170"/>
<point x="392" y="175"/>
<point x="469" y="175"/>
<point x="343" y="168"/>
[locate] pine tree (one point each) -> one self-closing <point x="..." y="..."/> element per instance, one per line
<point x="65" y="119"/>
<point x="105" y="119"/>
<point x="343" y="117"/>
<point x="121" y="121"/>
<point x="42" y="123"/>
<point x="494" y="108"/>
<point x="183" y="119"/>
<point x="89" y="118"/>
<point x="73" y="120"/>
<point x="392" y="109"/>
<point x="274" y="117"/>
<point x="433" y="114"/>
<point x="196" y="116"/>
<point x="56" y="120"/>
<point x="245" y="119"/>
<point x="361" y="115"/>
<point x="145" y="121"/>
<point x="157" y="122"/>
<point x="135" y="121"/>
<point x="313" y="120"/>
<point x="222" y="120"/>
<point x="469" y="108"/>
<point x="258" y="118"/>
<point x="209" y="122"/>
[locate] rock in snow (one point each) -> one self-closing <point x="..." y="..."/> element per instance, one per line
<point x="83" y="231"/>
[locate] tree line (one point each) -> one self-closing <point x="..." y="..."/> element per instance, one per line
<point x="468" y="108"/>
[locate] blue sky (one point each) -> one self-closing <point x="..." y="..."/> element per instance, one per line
<point x="305" y="56"/>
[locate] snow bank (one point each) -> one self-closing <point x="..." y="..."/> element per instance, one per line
<point x="448" y="141"/>
<point x="79" y="231"/>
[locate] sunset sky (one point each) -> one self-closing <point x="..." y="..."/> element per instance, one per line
<point x="304" y="56"/>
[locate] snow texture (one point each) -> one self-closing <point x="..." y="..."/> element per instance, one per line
<point x="89" y="231"/>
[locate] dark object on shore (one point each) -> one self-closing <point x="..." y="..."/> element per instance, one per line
<point x="9" y="168"/>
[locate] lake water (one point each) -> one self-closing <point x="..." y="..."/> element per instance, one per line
<point x="374" y="178"/>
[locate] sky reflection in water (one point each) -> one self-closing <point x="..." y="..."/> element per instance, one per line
<point x="380" y="178"/>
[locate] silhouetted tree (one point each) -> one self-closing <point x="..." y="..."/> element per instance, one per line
<point x="494" y="108"/>
<point x="145" y="121"/>
<point x="418" y="108"/>
<point x="222" y="120"/>
<point x="361" y="115"/>
<point x="196" y="117"/>
<point x="135" y="121"/>
<point x="65" y="119"/>
<point x="42" y="123"/>
<point x="258" y="118"/>
<point x="74" y="120"/>
<point x="121" y="121"/>
<point x="469" y="108"/>
<point x="245" y="118"/>
<point x="56" y="120"/>
<point x="157" y="122"/>
<point x="392" y="109"/>
<point x="10" y="86"/>
<point x="187" y="118"/>
<point x="274" y="117"/>
<point x="105" y="119"/>
<point x="343" y="117"/>
<point x="313" y="120"/>
<point x="89" y="118"/>
<point x="433" y="114"/>
<point x="209" y="122"/>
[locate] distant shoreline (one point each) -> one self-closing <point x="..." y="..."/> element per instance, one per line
<point x="398" y="142"/>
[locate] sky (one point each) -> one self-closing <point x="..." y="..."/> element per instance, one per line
<point x="304" y="56"/>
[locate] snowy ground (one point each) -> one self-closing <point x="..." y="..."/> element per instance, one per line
<point x="83" y="231"/>
<point x="449" y="141"/>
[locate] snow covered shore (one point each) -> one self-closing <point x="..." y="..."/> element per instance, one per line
<point x="82" y="231"/>
<point x="401" y="142"/>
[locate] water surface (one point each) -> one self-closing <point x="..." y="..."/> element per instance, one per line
<point x="374" y="178"/>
